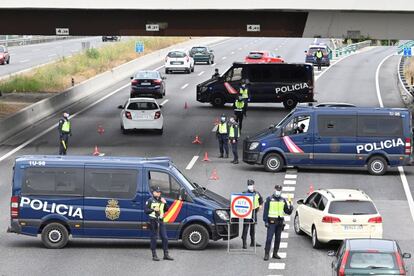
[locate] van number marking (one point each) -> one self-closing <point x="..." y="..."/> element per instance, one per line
<point x="387" y="144"/>
<point x="37" y="163"/>
<point x="53" y="208"/>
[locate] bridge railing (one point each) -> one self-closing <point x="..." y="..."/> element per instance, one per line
<point x="351" y="48"/>
<point x="31" y="40"/>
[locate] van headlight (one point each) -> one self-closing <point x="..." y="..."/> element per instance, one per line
<point x="222" y="214"/>
<point x="254" y="145"/>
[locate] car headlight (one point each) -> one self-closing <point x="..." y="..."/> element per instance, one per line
<point x="253" y="145"/>
<point x="222" y="214"/>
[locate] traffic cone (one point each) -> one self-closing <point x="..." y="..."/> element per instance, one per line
<point x="96" y="151"/>
<point x="197" y="140"/>
<point x="214" y="175"/>
<point x="216" y="122"/>
<point x="185" y="105"/>
<point x="206" y="157"/>
<point x="100" y="130"/>
<point x="311" y="189"/>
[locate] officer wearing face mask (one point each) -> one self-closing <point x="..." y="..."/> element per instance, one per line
<point x="222" y="134"/>
<point x="276" y="207"/>
<point x="257" y="204"/>
<point x="244" y="93"/>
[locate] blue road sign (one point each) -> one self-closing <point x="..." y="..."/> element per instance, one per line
<point x="407" y="52"/>
<point x="139" y="47"/>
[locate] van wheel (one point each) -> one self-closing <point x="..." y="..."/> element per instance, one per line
<point x="296" y="225"/>
<point x="377" y="165"/>
<point x="195" y="237"/>
<point x="55" y="236"/>
<point x="290" y="103"/>
<point x="217" y="100"/>
<point x="273" y="162"/>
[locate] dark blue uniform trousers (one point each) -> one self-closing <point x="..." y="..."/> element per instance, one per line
<point x="274" y="229"/>
<point x="223" y="143"/>
<point x="155" y="227"/>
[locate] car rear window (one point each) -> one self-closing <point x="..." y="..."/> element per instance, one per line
<point x="352" y="207"/>
<point x="199" y="49"/>
<point x="176" y="54"/>
<point x="147" y="75"/>
<point x="312" y="51"/>
<point x="255" y="55"/>
<point x="373" y="260"/>
<point x="142" y="106"/>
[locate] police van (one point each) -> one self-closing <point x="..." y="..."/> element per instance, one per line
<point x="104" y="197"/>
<point x="267" y="82"/>
<point x="334" y="135"/>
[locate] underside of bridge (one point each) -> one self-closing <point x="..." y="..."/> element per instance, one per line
<point x="379" y="25"/>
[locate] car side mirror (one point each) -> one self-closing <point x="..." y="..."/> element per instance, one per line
<point x="331" y="253"/>
<point x="132" y="78"/>
<point x="406" y="255"/>
<point x="300" y="201"/>
<point x="160" y="105"/>
<point x="120" y="106"/>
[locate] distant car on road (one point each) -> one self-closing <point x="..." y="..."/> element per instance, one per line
<point x="326" y="51"/>
<point x="4" y="55"/>
<point x="179" y="60"/>
<point x="263" y="57"/>
<point x="141" y="113"/>
<point x="111" y="38"/>
<point x="337" y="214"/>
<point x="147" y="83"/>
<point x="368" y="257"/>
<point x="202" y="54"/>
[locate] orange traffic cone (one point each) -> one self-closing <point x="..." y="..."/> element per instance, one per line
<point x="185" y="105"/>
<point x="100" y="130"/>
<point x="214" y="175"/>
<point x="96" y="151"/>
<point x="311" y="189"/>
<point x="197" y="140"/>
<point x="206" y="157"/>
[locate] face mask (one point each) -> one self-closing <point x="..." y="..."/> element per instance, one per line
<point x="278" y="193"/>
<point x="232" y="121"/>
<point x="250" y="188"/>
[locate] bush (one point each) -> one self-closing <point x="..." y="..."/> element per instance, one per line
<point x="92" y="53"/>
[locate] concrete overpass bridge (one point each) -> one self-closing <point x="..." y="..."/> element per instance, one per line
<point x="379" y="19"/>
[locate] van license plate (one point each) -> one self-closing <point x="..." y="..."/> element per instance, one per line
<point x="352" y="227"/>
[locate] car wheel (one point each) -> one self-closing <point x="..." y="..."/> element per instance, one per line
<point x="188" y="71"/>
<point x="290" y="103"/>
<point x="195" y="237"/>
<point x="192" y="68"/>
<point x="8" y="61"/>
<point x="377" y="165"/>
<point x="217" y="100"/>
<point x="296" y="225"/>
<point x="209" y="62"/>
<point x="315" y="242"/>
<point x="160" y="131"/>
<point x="167" y="71"/>
<point x="273" y="162"/>
<point x="55" y="236"/>
<point x="212" y="62"/>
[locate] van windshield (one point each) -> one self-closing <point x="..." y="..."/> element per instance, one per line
<point x="189" y="184"/>
<point x="284" y="120"/>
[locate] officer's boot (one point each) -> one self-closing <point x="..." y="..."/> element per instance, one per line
<point x="167" y="257"/>
<point x="266" y="256"/>
<point x="244" y="244"/>
<point x="275" y="256"/>
<point x="154" y="256"/>
<point x="252" y="244"/>
<point x="227" y="155"/>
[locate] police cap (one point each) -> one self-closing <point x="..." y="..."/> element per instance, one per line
<point x="250" y="182"/>
<point x="156" y="189"/>
<point x="278" y="187"/>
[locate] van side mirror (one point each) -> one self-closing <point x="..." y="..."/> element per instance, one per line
<point x="183" y="194"/>
<point x="300" y="201"/>
<point x="406" y="255"/>
<point x="331" y="253"/>
<point x="132" y="78"/>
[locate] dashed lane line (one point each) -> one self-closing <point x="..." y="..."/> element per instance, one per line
<point x="164" y="102"/>
<point x="232" y="53"/>
<point x="202" y="72"/>
<point x="184" y="86"/>
<point x="192" y="162"/>
<point x="23" y="61"/>
<point x="291" y="176"/>
<point x="289" y="182"/>
<point x="279" y="266"/>
<point x="223" y="58"/>
<point x="288" y="189"/>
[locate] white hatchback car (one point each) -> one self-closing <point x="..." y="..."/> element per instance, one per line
<point x="141" y="113"/>
<point x="337" y="214"/>
<point x="179" y="60"/>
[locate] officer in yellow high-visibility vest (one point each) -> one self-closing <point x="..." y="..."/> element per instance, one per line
<point x="222" y="135"/>
<point x="257" y="204"/>
<point x="244" y="93"/>
<point x="239" y="110"/>
<point x="318" y="56"/>
<point x="155" y="208"/>
<point x="234" y="135"/>
<point x="65" y="129"/>
<point x="275" y="208"/>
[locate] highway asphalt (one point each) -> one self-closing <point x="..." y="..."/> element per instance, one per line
<point x="28" y="56"/>
<point x="352" y="79"/>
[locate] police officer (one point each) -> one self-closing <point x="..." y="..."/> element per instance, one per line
<point x="222" y="134"/>
<point x="234" y="134"/>
<point x="319" y="55"/>
<point x="257" y="203"/>
<point x="274" y="211"/>
<point x="155" y="208"/>
<point x="239" y="110"/>
<point x="216" y="74"/>
<point x="65" y="130"/>
<point x="244" y="93"/>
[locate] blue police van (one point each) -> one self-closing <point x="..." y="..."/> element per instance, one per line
<point x="334" y="135"/>
<point x="104" y="197"/>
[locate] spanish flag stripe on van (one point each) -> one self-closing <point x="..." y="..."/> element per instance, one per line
<point x="230" y="88"/>
<point x="292" y="147"/>
<point x="173" y="212"/>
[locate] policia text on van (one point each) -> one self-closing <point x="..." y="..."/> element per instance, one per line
<point x="268" y="83"/>
<point x="335" y="136"/>
<point x="99" y="197"/>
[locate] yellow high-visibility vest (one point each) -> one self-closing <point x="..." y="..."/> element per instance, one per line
<point x="155" y="205"/>
<point x="256" y="203"/>
<point x="222" y="129"/>
<point x="244" y="93"/>
<point x="239" y="105"/>
<point x="232" y="134"/>
<point x="276" y="209"/>
<point x="319" y="54"/>
<point x="66" y="126"/>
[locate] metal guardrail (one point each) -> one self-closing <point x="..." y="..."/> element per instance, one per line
<point x="351" y="48"/>
<point x="408" y="44"/>
<point x="31" y="40"/>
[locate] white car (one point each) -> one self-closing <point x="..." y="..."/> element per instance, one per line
<point x="179" y="60"/>
<point x="337" y="214"/>
<point x="141" y="113"/>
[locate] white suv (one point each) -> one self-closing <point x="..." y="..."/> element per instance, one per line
<point x="179" y="60"/>
<point x="337" y="214"/>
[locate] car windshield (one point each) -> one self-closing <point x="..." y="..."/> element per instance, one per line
<point x="189" y="184"/>
<point x="199" y="49"/>
<point x="142" y="106"/>
<point x="372" y="260"/>
<point x="255" y="55"/>
<point x="352" y="207"/>
<point x="176" y="54"/>
<point x="147" y="75"/>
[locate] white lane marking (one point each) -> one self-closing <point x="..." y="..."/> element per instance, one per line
<point x="404" y="181"/>
<point x="202" y="72"/>
<point x="287" y="218"/>
<point x="289" y="182"/>
<point x="287" y="227"/>
<point x="192" y="162"/>
<point x="291" y="170"/>
<point x="315" y="40"/>
<point x="279" y="266"/>
<point x="232" y="53"/>
<point x="184" y="86"/>
<point x="223" y="58"/>
<point x="52" y="55"/>
<point x="164" y="102"/>
<point x="282" y="255"/>
<point x="284" y="235"/>
<point x="214" y="128"/>
<point x="212" y="65"/>
<point x="291" y="176"/>
<point x="288" y="189"/>
<point x="23" y="61"/>
<point x="283" y="245"/>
